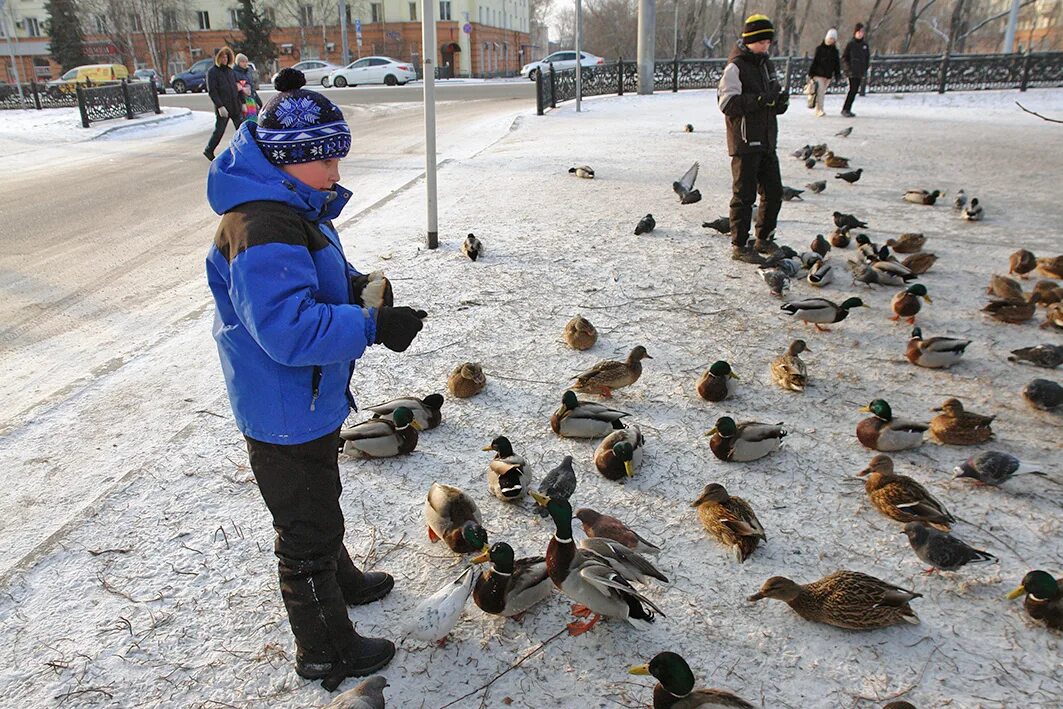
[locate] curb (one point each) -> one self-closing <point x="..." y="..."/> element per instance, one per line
<point x="138" y="123"/>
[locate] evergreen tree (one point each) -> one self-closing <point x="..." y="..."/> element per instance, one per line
<point x="64" y="30"/>
<point x="256" y="42"/>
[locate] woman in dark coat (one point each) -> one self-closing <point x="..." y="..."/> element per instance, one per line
<point x="221" y="86"/>
<point x="825" y="66"/>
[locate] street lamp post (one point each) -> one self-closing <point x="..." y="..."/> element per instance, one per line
<point x="428" y="49"/>
<point x="345" y="52"/>
<point x="579" y="54"/>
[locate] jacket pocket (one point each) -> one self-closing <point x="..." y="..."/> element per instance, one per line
<point x="315" y="385"/>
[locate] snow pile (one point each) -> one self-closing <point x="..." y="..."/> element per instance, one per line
<point x="165" y="593"/>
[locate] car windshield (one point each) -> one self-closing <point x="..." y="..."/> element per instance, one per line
<point x="69" y="75"/>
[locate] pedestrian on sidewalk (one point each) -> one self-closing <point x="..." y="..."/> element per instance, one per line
<point x="247" y="81"/>
<point x="224" y="93"/>
<point x="289" y="324"/>
<point x="750" y="98"/>
<point x="826" y="65"/>
<point x="855" y="60"/>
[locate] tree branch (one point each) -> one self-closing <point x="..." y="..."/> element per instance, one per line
<point x="1035" y="113"/>
<point x="986" y="21"/>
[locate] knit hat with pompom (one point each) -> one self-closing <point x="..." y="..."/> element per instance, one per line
<point x="298" y="125"/>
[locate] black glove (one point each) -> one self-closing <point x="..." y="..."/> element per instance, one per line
<point x="774" y="87"/>
<point x="396" y="327"/>
<point x="783" y="99"/>
<point x="372" y="290"/>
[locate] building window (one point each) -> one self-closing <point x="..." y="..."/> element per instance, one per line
<point x="134" y="23"/>
<point x="203" y="18"/>
<point x="169" y="20"/>
<point x="481" y="14"/>
<point x="413" y="12"/>
<point x="377" y="12"/>
<point x="444" y="10"/>
<point x="101" y="24"/>
<point x="347" y="7"/>
<point x="272" y="14"/>
<point x="306" y="15"/>
<point x="234" y="18"/>
<point x="33" y="27"/>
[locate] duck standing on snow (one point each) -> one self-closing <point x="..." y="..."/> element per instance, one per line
<point x="935" y="352"/>
<point x="1005" y="288"/>
<point x="973" y="211"/>
<point x="845" y="599"/>
<point x="942" y="550"/>
<point x="620" y="453"/>
<point x="900" y="497"/>
<point x="472" y="247"/>
<point x="1044" y="598"/>
<point x="434" y="617"/>
<point x="835" y="161"/>
<point x="730" y="519"/>
<point x="957" y="427"/>
<point x="583" y="171"/>
<point x="788" y="369"/>
<point x="906" y="303"/>
<point x="426" y="411"/>
<point x="382" y="438"/>
<point x="580" y="334"/>
<point x="746" y="441"/>
<point x="508" y="474"/>
<point x="1021" y="262"/>
<point x="920" y="263"/>
<point x="907" y="243"/>
<point x="452" y="516"/>
<point x="511" y="586"/>
<point x="675" y="686"/>
<point x="598" y="525"/>
<point x="994" y="468"/>
<point x="611" y="374"/>
<point x="820" y="310"/>
<point x="717" y="382"/>
<point x="585" y="419"/>
<point x="882" y="432"/>
<point x="466" y="380"/>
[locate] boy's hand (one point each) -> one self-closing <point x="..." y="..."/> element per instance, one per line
<point x="396" y="327"/>
<point x="372" y="290"/>
<point x="222" y="112"/>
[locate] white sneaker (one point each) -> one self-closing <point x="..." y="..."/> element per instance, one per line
<point x="820" y="114"/>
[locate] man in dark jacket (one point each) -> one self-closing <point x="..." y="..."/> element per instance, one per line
<point x="290" y="321"/>
<point x="855" y="60"/>
<point x="224" y="93"/>
<point x="825" y="66"/>
<point x="750" y="98"/>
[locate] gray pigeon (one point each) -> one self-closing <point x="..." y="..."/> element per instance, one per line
<point x="848" y="221"/>
<point x="645" y="225"/>
<point x="817" y="187"/>
<point x="845" y="133"/>
<point x="778" y="282"/>
<point x="994" y="468"/>
<point x="789" y="193"/>
<point x="851" y="176"/>
<point x="1043" y="394"/>
<point x="810" y="163"/>
<point x="559" y="483"/>
<point x="367" y="695"/>
<point x="1047" y="356"/>
<point x="803" y="153"/>
<point x="684" y="187"/>
<point x="940" y="550"/>
<point x="722" y="225"/>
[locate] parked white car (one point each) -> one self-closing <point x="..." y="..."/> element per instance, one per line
<point x="561" y="60"/>
<point x="315" y="71"/>
<point x="373" y="70"/>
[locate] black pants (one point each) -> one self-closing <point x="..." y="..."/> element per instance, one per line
<point x="854" y="89"/>
<point x="219" y="128"/>
<point x="755" y="173"/>
<point x="301" y="487"/>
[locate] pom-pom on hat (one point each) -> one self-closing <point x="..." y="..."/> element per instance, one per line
<point x="757" y="28"/>
<point x="299" y="125"/>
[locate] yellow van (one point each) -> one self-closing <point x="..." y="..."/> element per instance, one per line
<point x="96" y="73"/>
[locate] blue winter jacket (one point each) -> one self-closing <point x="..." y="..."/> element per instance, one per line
<point x="287" y="327"/>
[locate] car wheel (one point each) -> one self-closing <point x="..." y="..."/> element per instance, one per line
<point x="179" y="86"/>
<point x="340" y="82"/>
<point x="534" y="74"/>
<point x="390" y="80"/>
<point x="324" y="82"/>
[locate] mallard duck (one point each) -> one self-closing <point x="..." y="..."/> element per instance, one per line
<point x="836" y="161"/>
<point x="1053" y="316"/>
<point x="821" y="310"/>
<point x="1043" y="394"/>
<point x="510" y="587"/>
<point x="610" y="374"/>
<point x="920" y="263"/>
<point x="1047" y="356"/>
<point x="935" y="352"/>
<point x="434" y="617"/>
<point x="595" y="524"/>
<point x="908" y="243"/>
<point x="891" y="273"/>
<point x="818" y="151"/>
<point x="846" y="599"/>
<point x="973" y="212"/>
<point x="903" y="704"/>
<point x="367" y="695"/>
<point x="590" y="581"/>
<point x="942" y="550"/>
<point x="906" y="303"/>
<point x="583" y="171"/>
<point x="922" y="197"/>
<point x="381" y="438"/>
<point x="580" y="334"/>
<point x="746" y="441"/>
<point x="1005" y="288"/>
<point x="1051" y="266"/>
<point x="675" y="686"/>
<point x="1048" y="292"/>
<point x="472" y="247"/>
<point x="466" y="380"/>
<point x="820" y="274"/>
<point x="452" y="516"/>
<point x="508" y="474"/>
<point x="957" y="427"/>
<point x="788" y="369"/>
<point x="901" y="498"/>
<point x="585" y="419"/>
<point x="620" y="453"/>
<point x="717" y="382"/>
<point x="730" y="519"/>
<point x="558" y="484"/>
<point x="882" y="432"/>
<point x="1012" y="312"/>
<point x="426" y="411"/>
<point x="994" y="468"/>
<point x="1044" y="598"/>
<point x="839" y="238"/>
<point x="628" y="563"/>
<point x="1021" y="262"/>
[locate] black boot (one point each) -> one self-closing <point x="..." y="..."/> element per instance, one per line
<point x="360" y="588"/>
<point x="742" y="251"/>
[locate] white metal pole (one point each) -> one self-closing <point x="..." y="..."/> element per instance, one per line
<point x="579" y="54"/>
<point x="428" y="50"/>
<point x="675" y="30"/>
<point x="345" y="52"/>
<point x="10" y="34"/>
<point x="646" y="49"/>
<point x="1009" y="34"/>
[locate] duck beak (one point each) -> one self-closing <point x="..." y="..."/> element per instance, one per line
<point x="865" y="471"/>
<point x="733" y="375"/>
<point x="539" y="497"/>
<point x="865" y="409"/>
<point x="482" y="558"/>
<point x="1017" y="592"/>
<point x="639" y="670"/>
<point x="755" y="597"/>
<point x="711" y="432"/>
<point x="417" y="426"/>
<point x="927" y="299"/>
<point x="807" y="348"/>
<point x="487" y="448"/>
<point x="629" y="468"/>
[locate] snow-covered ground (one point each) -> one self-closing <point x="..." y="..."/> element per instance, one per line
<point x="162" y="592"/>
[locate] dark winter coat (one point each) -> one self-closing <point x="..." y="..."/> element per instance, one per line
<point x="856" y="58"/>
<point x="748" y="96"/>
<point x="826" y="63"/>
<point x="251" y="77"/>
<point x="221" y="85"/>
<point x="287" y="326"/>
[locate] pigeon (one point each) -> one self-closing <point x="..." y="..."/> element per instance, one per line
<point x="778" y="282"/>
<point x="789" y="265"/>
<point x="820" y="245"/>
<point x="961" y="201"/>
<point x="582" y="171"/>
<point x="819" y="151"/>
<point x="942" y="550"/>
<point x="722" y="225"/>
<point x="973" y="211"/>
<point x="1047" y="356"/>
<point x="1043" y="394"/>
<point x="994" y="468"/>
<point x="472" y="247"/>
<point x="845" y="133"/>
<point x="839" y="238"/>
<point x="810" y="163"/>
<point x="367" y="695"/>
<point x="559" y="483"/>
<point x="685" y="186"/>
<point x="596" y="524"/>
<point x="789" y="193"/>
<point x="803" y="153"/>
<point x="850" y="177"/>
<point x="688" y="128"/>
<point x="645" y="225"/>
<point x="848" y="221"/>
<point x="817" y="187"/>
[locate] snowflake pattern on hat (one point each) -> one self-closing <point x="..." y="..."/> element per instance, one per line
<point x="296" y="112"/>
<point x="301" y="126"/>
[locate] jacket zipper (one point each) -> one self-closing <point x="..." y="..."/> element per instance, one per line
<point x="315" y="386"/>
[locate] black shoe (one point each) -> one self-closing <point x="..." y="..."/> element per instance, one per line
<point x="366" y="657"/>
<point x="765" y="246"/>
<point x="746" y="254"/>
<point x="848" y="114"/>
<point x="375" y="585"/>
<point x="208" y="154"/>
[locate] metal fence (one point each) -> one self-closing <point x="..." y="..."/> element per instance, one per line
<point x="894" y="74"/>
<point x="36" y="95"/>
<point x="125" y="99"/>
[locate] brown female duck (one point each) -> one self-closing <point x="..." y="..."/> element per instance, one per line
<point x="845" y="599"/>
<point x="957" y="427"/>
<point x="901" y="498"/>
<point x="730" y="519"/>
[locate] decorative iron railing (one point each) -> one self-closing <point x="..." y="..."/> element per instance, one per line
<point x="36" y="95"/>
<point x="126" y="99"/>
<point x="894" y="74"/>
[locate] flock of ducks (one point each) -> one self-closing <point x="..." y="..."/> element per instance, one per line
<point x="603" y="573"/>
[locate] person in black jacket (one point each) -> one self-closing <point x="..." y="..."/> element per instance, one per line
<point x="224" y="93"/>
<point x="855" y="60"/>
<point x="826" y="65"/>
<point x="750" y="98"/>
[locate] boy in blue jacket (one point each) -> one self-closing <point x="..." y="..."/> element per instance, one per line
<point x="292" y="316"/>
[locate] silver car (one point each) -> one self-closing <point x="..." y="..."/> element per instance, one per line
<point x="565" y="59"/>
<point x="316" y="71"/>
